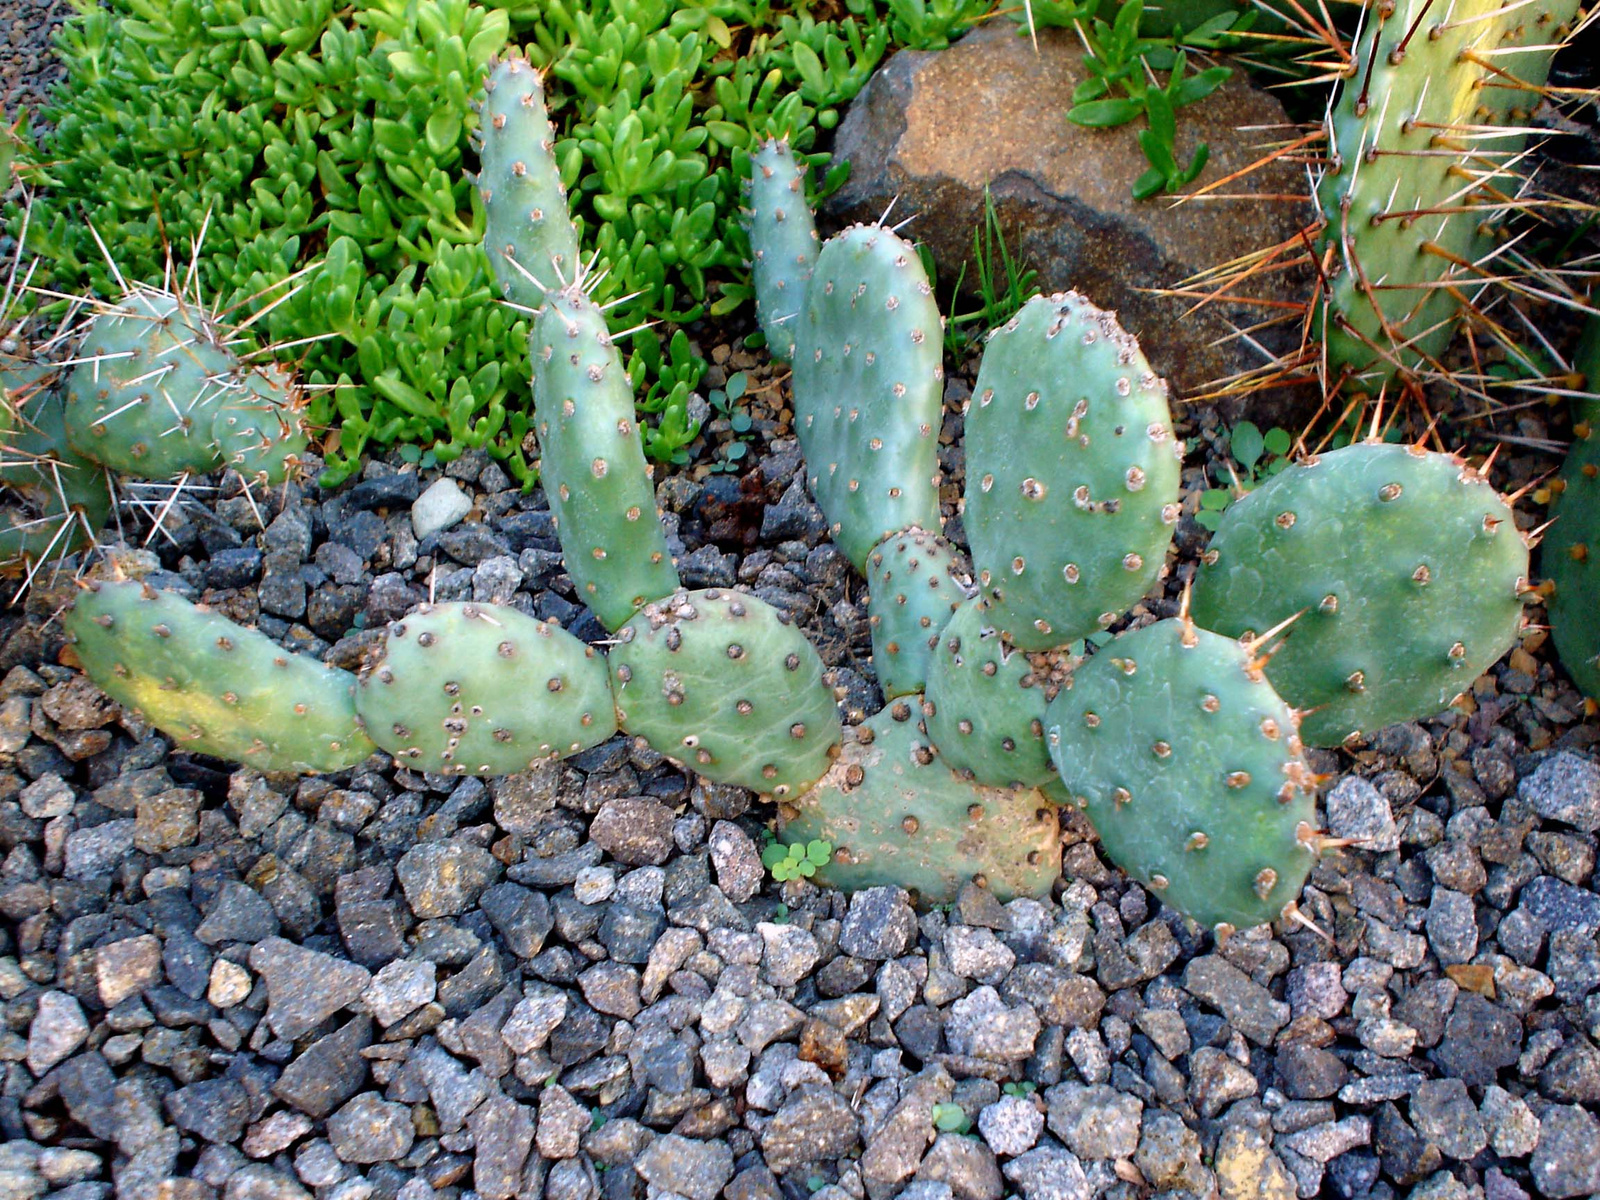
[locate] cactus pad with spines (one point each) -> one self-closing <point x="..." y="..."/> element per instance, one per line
<point x="526" y="222"/>
<point x="482" y="689"/>
<point x="1406" y="567"/>
<point x="593" y="466"/>
<point x="915" y="584"/>
<point x="1569" y="555"/>
<point x="725" y="684"/>
<point x="869" y="389"/>
<point x="258" y="430"/>
<point x="985" y="705"/>
<point x="783" y="242"/>
<point x="897" y="814"/>
<point x="1072" y="473"/>
<point x="58" y="499"/>
<point x="214" y="686"/>
<point x="1425" y="135"/>
<point x="1188" y="765"/>
<point x="145" y="402"/>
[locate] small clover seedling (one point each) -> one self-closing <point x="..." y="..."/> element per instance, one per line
<point x="799" y="861"/>
<point x="951" y="1118"/>
<point x="1260" y="456"/>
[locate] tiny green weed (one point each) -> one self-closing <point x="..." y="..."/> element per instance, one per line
<point x="1004" y="283"/>
<point x="951" y="1118"/>
<point x="799" y="861"/>
<point x="1259" y="455"/>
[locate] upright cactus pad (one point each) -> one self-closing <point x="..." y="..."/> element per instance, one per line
<point x="1569" y="556"/>
<point x="525" y="207"/>
<point x="57" y="499"/>
<point x="783" y="242"/>
<point x="1405" y="566"/>
<point x="1187" y="764"/>
<point x="869" y="389"/>
<point x="1072" y="473"/>
<point x="985" y="705"/>
<point x="593" y="465"/>
<point x="213" y="686"/>
<point x="482" y="689"/>
<point x="896" y="814"/>
<point x="145" y="401"/>
<point x="726" y="685"/>
<point x="258" y="430"/>
<point x="915" y="585"/>
<point x="1424" y="136"/>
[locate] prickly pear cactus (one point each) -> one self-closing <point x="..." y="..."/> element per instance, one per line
<point x="526" y="223"/>
<point x="593" y="465"/>
<point x="144" y="400"/>
<point x="1406" y="568"/>
<point x="869" y="389"/>
<point x="985" y="704"/>
<point x="1188" y="765"/>
<point x="783" y="242"/>
<point x="897" y="814"/>
<point x="916" y="583"/>
<point x="213" y="686"/>
<point x="1072" y="473"/>
<point x="482" y="689"/>
<point x="1425" y="134"/>
<point x="726" y="685"/>
<point x="1569" y="556"/>
<point x="258" y="430"/>
<point x="57" y="500"/>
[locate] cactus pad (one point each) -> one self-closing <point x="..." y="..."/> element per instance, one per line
<point x="145" y="402"/>
<point x="1187" y="764"/>
<point x="213" y="686"/>
<point x="726" y="685"/>
<point x="525" y="207"/>
<point x="1569" y="556"/>
<point x="916" y="584"/>
<point x="897" y="814"/>
<point x="482" y="689"/>
<point x="869" y="389"/>
<point x="783" y="242"/>
<point x="593" y="465"/>
<point x="1407" y="570"/>
<point x="258" y="430"/>
<point x="57" y="499"/>
<point x="1072" y="473"/>
<point x="985" y="705"/>
<point x="1426" y="135"/>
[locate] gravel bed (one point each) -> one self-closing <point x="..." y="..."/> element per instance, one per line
<point x="580" y="982"/>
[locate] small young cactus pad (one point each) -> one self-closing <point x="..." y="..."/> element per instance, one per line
<point x="915" y="584"/>
<point x="783" y="242"/>
<point x="869" y="389"/>
<point x="1072" y="473"/>
<point x="258" y="431"/>
<point x="214" y="686"/>
<point x="1405" y="567"/>
<point x="896" y="814"/>
<point x="153" y="377"/>
<point x="593" y="465"/>
<point x="1187" y="764"/>
<point x="526" y="223"/>
<point x="482" y="689"/>
<point x="985" y="705"/>
<point x="726" y="685"/>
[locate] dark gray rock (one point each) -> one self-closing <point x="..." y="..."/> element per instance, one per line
<point x="1479" y="1039"/>
<point x="815" y="1125"/>
<point x="237" y="914"/>
<point x="304" y="987"/>
<point x="329" y="1071"/>
<point x="879" y="925"/>
<point x="1565" y="787"/>
<point x="1248" y="1006"/>
<point x="502" y="1133"/>
<point x="1564" y="1162"/>
<point x="214" y="1110"/>
<point x="444" y="879"/>
<point x="370" y="1129"/>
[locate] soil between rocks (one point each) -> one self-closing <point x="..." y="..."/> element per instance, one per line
<point x="580" y="982"/>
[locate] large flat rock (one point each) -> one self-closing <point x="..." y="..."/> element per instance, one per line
<point x="934" y="128"/>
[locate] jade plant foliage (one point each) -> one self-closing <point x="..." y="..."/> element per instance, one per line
<point x="288" y="135"/>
